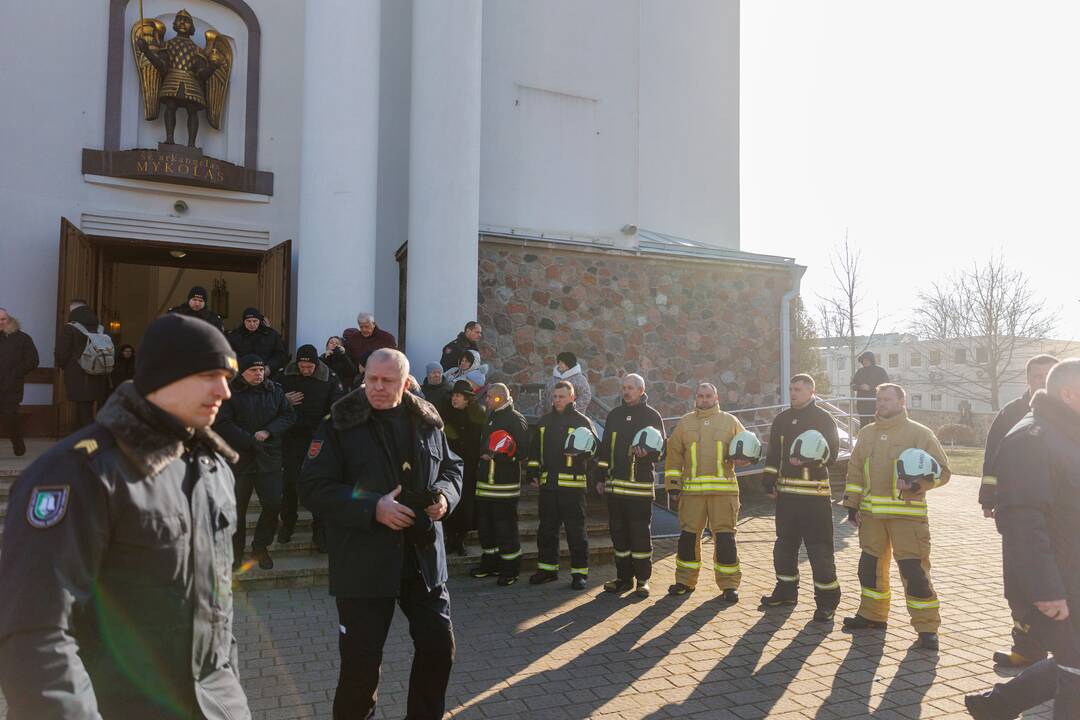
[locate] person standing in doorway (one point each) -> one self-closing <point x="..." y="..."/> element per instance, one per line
<point x="196" y="307"/>
<point x="86" y="390"/>
<point x="254" y="337"/>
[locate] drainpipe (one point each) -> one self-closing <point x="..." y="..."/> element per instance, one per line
<point x="785" y="334"/>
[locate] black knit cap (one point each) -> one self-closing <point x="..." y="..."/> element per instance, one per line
<point x="251" y="360"/>
<point x="175" y="346"/>
<point x="252" y="313"/>
<point x="307" y="353"/>
<point x="197" y="291"/>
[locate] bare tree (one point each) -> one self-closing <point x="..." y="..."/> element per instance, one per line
<point x="804" y="355"/>
<point x="841" y="314"/>
<point x="979" y="326"/>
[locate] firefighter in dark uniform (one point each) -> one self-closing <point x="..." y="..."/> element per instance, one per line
<point x="381" y="474"/>
<point x="311" y="387"/>
<point x="505" y="444"/>
<point x="803" y="443"/>
<point x="564" y="478"/>
<point x="1025" y="650"/>
<point x="117" y="587"/>
<point x="626" y="474"/>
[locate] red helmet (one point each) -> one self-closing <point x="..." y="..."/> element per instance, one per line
<point x="502" y="443"/>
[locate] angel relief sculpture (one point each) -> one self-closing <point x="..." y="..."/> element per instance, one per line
<point x="177" y="73"/>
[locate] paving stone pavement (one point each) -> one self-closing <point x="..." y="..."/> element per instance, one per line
<point x="548" y="652"/>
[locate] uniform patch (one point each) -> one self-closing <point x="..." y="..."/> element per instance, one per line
<point x="232" y="363"/>
<point x="314" y="449"/>
<point x="89" y="446"/>
<point x="47" y="505"/>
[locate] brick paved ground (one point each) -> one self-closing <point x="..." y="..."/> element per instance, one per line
<point x="548" y="652"/>
<point x="551" y="653"/>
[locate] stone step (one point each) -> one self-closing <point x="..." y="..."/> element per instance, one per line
<point x="313" y="570"/>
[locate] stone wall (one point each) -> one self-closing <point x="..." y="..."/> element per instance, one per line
<point x="676" y="321"/>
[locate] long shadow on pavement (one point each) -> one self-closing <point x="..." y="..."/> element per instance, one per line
<point x="853" y="683"/>
<point x="913" y="678"/>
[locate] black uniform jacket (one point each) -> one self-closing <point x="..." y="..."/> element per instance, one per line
<point x="502" y="469"/>
<point x="116" y="574"/>
<point x="321" y="390"/>
<point x="547" y="449"/>
<point x="347" y="470"/>
<point x="1038" y="504"/>
<point x="265" y="342"/>
<point x="1007" y="418"/>
<point x="206" y="315"/>
<point x="614" y="459"/>
<point x="250" y="409"/>
<point x="787" y="426"/>
<point x="452" y="352"/>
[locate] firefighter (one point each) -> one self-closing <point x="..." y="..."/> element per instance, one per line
<point x="559" y="460"/>
<point x="700" y="476"/>
<point x="625" y="470"/>
<point x="505" y="444"/>
<point x="803" y="443"/>
<point x="886" y="499"/>
<point x="1025" y="649"/>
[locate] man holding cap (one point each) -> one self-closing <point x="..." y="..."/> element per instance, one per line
<point x="196" y="307"/>
<point x="118" y="601"/>
<point x="254" y="422"/>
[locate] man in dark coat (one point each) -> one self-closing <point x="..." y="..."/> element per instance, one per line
<point x="117" y="593"/>
<point x="1025" y="649"/>
<point x="196" y="307"/>
<point x="311" y="388"/>
<point x="254" y="422"/>
<point x="1037" y="513"/>
<point x="382" y="476"/>
<point x="254" y="337"/>
<point x="469" y="339"/>
<point x="84" y="389"/>
<point x="464" y="420"/>
<point x="365" y="338"/>
<point x="864" y="385"/>
<point x="18" y="356"/>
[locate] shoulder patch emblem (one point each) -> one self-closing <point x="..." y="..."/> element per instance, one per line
<point x="315" y="449"/>
<point x="89" y="446"/>
<point x="47" y="506"/>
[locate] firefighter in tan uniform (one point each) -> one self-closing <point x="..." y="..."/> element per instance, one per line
<point x="700" y="475"/>
<point x="886" y="500"/>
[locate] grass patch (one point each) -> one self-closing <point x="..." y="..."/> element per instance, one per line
<point x="965" y="460"/>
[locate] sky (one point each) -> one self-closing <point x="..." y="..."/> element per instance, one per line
<point x="931" y="133"/>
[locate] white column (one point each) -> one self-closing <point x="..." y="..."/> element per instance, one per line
<point x="444" y="174"/>
<point x="338" y="167"/>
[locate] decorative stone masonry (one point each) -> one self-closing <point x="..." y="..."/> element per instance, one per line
<point x="675" y="320"/>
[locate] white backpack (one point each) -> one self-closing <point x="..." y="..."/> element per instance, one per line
<point x="99" y="355"/>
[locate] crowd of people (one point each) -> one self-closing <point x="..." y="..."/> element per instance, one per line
<point x="139" y="518"/>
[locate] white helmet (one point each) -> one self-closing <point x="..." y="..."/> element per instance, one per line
<point x="811" y="447"/>
<point x="745" y="446"/>
<point x="915" y="464"/>
<point x="581" y="442"/>
<point x="649" y="439"/>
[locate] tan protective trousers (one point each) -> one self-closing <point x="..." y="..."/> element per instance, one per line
<point x="909" y="541"/>
<point x="718" y="512"/>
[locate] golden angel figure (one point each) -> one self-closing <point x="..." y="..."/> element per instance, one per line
<point x="178" y="73"/>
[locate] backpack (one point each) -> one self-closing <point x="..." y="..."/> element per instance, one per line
<point x="99" y="355"/>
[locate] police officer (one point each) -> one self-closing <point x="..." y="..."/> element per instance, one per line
<point x="254" y="337"/>
<point x="563" y="478"/>
<point x="311" y="387"/>
<point x="625" y="472"/>
<point x="117" y="598"/>
<point x="891" y="515"/>
<point x="254" y="422"/>
<point x="1025" y="650"/>
<point x="381" y="474"/>
<point x="798" y="479"/>
<point x="505" y="443"/>
<point x="196" y="307"/>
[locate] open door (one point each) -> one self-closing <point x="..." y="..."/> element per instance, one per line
<point x="275" y="288"/>
<point x="78" y="278"/>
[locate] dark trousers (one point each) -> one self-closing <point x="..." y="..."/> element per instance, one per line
<point x="805" y="519"/>
<point x="365" y="623"/>
<point x="11" y="425"/>
<point x="463" y="519"/>
<point x="84" y="413"/>
<point x="1056" y="678"/>
<point x="293" y="453"/>
<point x="562" y="508"/>
<point x="630" y="522"/>
<point x="1025" y="641"/>
<point x="268" y="487"/>
<point x="500" y="542"/>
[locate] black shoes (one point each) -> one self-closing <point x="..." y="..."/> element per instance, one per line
<point x="679" y="589"/>
<point x="506" y="581"/>
<point x="543" y="576"/>
<point x="578" y="582"/>
<point x="858" y="622"/>
<point x="927" y="641"/>
<point x="479" y="572"/>
<point x="730" y="596"/>
<point x="1014" y="660"/>
<point x="642" y="590"/>
<point x="824" y="614"/>
<point x="774" y="601"/>
<point x="262" y="555"/>
<point x="983" y="707"/>
<point x="618" y="586"/>
<point x="285" y="533"/>
<point x="18" y="446"/>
